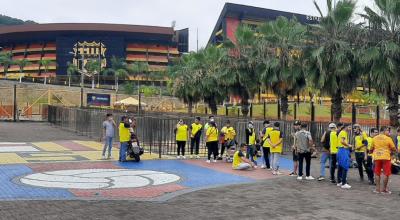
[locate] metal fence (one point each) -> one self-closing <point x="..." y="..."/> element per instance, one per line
<point x="156" y="130"/>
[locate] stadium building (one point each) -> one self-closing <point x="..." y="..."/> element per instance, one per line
<point x="80" y="42"/>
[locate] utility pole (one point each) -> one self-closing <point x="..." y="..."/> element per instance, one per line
<point x="197" y="40"/>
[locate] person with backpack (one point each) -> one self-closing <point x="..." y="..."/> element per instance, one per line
<point x="296" y="128"/>
<point x="343" y="156"/>
<point x="304" y="148"/>
<point x="325" y="154"/>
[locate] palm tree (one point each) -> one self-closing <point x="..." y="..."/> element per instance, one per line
<point x="5" y="61"/>
<point x="93" y="67"/>
<point x="118" y="69"/>
<point x="283" y="70"/>
<point x="184" y="78"/>
<point x="381" y="55"/>
<point x="330" y="60"/>
<point x="136" y="69"/>
<point x="46" y="64"/>
<point x="22" y="63"/>
<point x="242" y="78"/>
<point x="71" y="70"/>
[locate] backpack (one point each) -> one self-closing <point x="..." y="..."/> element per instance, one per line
<point x="327" y="141"/>
<point x="302" y="142"/>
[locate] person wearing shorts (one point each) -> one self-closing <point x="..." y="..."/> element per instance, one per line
<point x="382" y="147"/>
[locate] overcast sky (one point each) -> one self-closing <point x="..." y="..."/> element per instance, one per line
<point x="194" y="14"/>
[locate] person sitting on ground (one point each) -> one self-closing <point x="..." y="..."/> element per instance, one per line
<point x="240" y="162"/>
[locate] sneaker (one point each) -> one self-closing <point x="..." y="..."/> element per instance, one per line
<point x="178" y="157"/>
<point x="219" y="158"/>
<point x="333" y="181"/>
<point x="274" y="173"/>
<point x="339" y="184"/>
<point x="214" y="161"/>
<point x="208" y="161"/>
<point x="346" y="186"/>
<point x="183" y="157"/>
<point x="387" y="192"/>
<point x="310" y="178"/>
<point x="292" y="174"/>
<point x="321" y="178"/>
<point x="263" y="167"/>
<point x="299" y="178"/>
<point x="255" y="167"/>
<point x="103" y="157"/>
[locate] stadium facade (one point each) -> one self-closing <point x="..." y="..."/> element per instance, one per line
<point x="79" y="42"/>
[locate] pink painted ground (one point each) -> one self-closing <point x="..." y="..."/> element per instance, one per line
<point x="142" y="192"/>
<point x="258" y="174"/>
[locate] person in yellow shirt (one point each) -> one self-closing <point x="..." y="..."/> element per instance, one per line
<point x="212" y="142"/>
<point x="275" y="140"/>
<point x="333" y="149"/>
<point x="229" y="134"/>
<point x="343" y="156"/>
<point x="360" y="149"/>
<point x="124" y="137"/>
<point x="240" y="162"/>
<point x="195" y="135"/>
<point x="265" y="144"/>
<point x="398" y="143"/>
<point x="181" y="134"/>
<point x="382" y="147"/>
<point x="251" y="142"/>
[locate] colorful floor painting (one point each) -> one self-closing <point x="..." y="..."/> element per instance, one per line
<point x="68" y="170"/>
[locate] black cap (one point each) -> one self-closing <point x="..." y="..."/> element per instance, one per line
<point x="297" y="122"/>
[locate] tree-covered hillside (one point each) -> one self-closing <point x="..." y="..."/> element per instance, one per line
<point x="6" y="20"/>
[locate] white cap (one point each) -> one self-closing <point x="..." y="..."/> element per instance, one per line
<point x="332" y="125"/>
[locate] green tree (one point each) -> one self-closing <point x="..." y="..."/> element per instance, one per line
<point x="71" y="71"/>
<point x="184" y="78"/>
<point x="46" y="64"/>
<point x="282" y="42"/>
<point x="22" y="63"/>
<point x="5" y="61"/>
<point x="331" y="61"/>
<point x="381" y="55"/>
<point x="242" y="77"/>
<point x="118" y="69"/>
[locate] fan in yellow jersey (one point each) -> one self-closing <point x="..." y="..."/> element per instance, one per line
<point x="195" y="134"/>
<point x="398" y="143"/>
<point x="229" y="134"/>
<point x="275" y="139"/>
<point x="240" y="162"/>
<point x="333" y="149"/>
<point x="360" y="149"/>
<point x="265" y="144"/>
<point x="181" y="132"/>
<point x="251" y="142"/>
<point x="343" y="156"/>
<point x="212" y="141"/>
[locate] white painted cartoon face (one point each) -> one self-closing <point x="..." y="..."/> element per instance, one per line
<point x="99" y="179"/>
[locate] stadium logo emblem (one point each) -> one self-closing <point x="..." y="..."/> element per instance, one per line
<point x="89" y="51"/>
<point x="99" y="179"/>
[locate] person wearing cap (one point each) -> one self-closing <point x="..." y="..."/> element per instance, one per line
<point x="360" y="149"/>
<point x="210" y="119"/>
<point x="295" y="158"/>
<point x="266" y="148"/>
<point x="325" y="154"/>
<point x="251" y="142"/>
<point x="333" y="149"/>
<point x="195" y="134"/>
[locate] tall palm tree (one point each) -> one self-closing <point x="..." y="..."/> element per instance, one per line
<point x="136" y="69"/>
<point x="330" y="60"/>
<point x="283" y="70"/>
<point x="381" y="55"/>
<point x="118" y="69"/>
<point x="71" y="70"/>
<point x="5" y="61"/>
<point x="184" y="78"/>
<point x="22" y="63"/>
<point x="242" y="78"/>
<point x="46" y="64"/>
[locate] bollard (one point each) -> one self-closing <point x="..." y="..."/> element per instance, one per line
<point x="264" y="110"/>
<point x="377" y="117"/>
<point x="279" y="110"/>
<point x="312" y="111"/>
<point x="295" y="111"/>
<point x="353" y="113"/>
